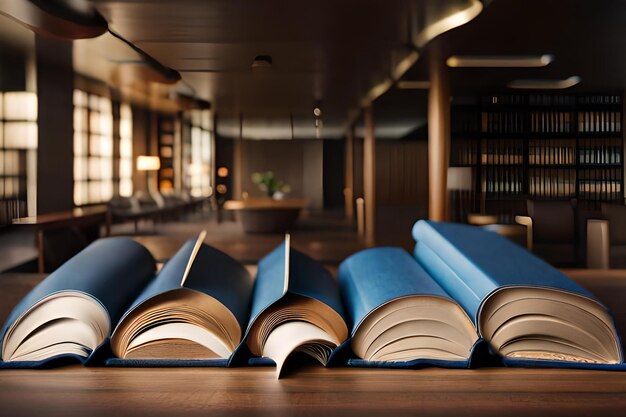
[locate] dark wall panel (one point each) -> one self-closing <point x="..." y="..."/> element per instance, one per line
<point x="224" y="158"/>
<point x="401" y="190"/>
<point x="12" y="69"/>
<point x="141" y="139"/>
<point x="334" y="176"/>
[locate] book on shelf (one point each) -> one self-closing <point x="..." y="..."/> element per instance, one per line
<point x="463" y="288"/>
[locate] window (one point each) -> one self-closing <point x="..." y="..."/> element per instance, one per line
<point x="198" y="173"/>
<point x="18" y="155"/>
<point x="93" y="148"/>
<point x="125" y="178"/>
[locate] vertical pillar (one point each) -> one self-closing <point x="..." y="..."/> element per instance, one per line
<point x="438" y="139"/>
<point x="31" y="154"/>
<point x="348" y="191"/>
<point x="237" y="162"/>
<point x="369" y="176"/>
<point x="55" y="150"/>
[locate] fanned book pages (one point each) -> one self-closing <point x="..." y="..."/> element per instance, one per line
<point x="296" y="307"/>
<point x="193" y="312"/>
<point x="70" y="314"/>
<point x="529" y="312"/>
<point x="400" y="316"/>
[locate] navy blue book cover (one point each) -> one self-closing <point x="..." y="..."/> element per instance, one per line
<point x="213" y="273"/>
<point x="111" y="271"/>
<point x="286" y="271"/>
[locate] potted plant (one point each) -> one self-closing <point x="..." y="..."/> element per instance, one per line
<point x="268" y="183"/>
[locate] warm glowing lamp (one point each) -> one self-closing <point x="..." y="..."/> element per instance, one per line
<point x="148" y="163"/>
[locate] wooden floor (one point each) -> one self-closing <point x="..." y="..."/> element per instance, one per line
<point x="325" y="237"/>
<point x="311" y="390"/>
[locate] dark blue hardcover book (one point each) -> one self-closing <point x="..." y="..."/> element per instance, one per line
<point x="296" y="307"/>
<point x="528" y="312"/>
<point x="69" y="316"/>
<point x="399" y="316"/>
<point x="193" y="313"/>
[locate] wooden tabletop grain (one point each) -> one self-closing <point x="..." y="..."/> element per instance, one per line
<point x="311" y="390"/>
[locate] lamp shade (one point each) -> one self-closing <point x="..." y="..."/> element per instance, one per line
<point x="148" y="163"/>
<point x="460" y="178"/>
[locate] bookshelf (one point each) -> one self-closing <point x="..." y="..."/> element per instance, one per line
<point x="166" y="139"/>
<point x="540" y="146"/>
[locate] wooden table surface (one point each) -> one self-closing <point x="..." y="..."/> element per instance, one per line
<point x="265" y="204"/>
<point x="312" y="390"/>
<point x="64" y="217"/>
<point x="82" y="216"/>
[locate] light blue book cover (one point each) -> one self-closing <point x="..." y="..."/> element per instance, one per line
<point x="528" y="311"/>
<point x="371" y="282"/>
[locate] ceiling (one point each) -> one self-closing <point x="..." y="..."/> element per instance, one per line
<point x="327" y="52"/>
<point x="344" y="54"/>
<point x="586" y="38"/>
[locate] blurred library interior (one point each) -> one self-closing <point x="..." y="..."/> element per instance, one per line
<point x="327" y="120"/>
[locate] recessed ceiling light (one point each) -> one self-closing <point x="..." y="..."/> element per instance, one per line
<point x="545" y="84"/>
<point x="495" y="61"/>
<point x="262" y="63"/>
<point x="414" y="85"/>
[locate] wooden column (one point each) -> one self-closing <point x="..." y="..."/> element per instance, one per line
<point x="237" y="163"/>
<point x="369" y="176"/>
<point x="348" y="191"/>
<point x="438" y="139"/>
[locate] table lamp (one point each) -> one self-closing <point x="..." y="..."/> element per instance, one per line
<point x="148" y="163"/>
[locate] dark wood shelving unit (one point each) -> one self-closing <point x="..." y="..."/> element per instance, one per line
<point x="540" y="146"/>
<point x="166" y="141"/>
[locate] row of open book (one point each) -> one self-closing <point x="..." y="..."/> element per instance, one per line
<point x="463" y="289"/>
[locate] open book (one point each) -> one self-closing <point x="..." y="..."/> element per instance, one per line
<point x="296" y="307"/>
<point x="528" y="312"/>
<point x="400" y="316"/>
<point x="71" y="313"/>
<point x="196" y="308"/>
